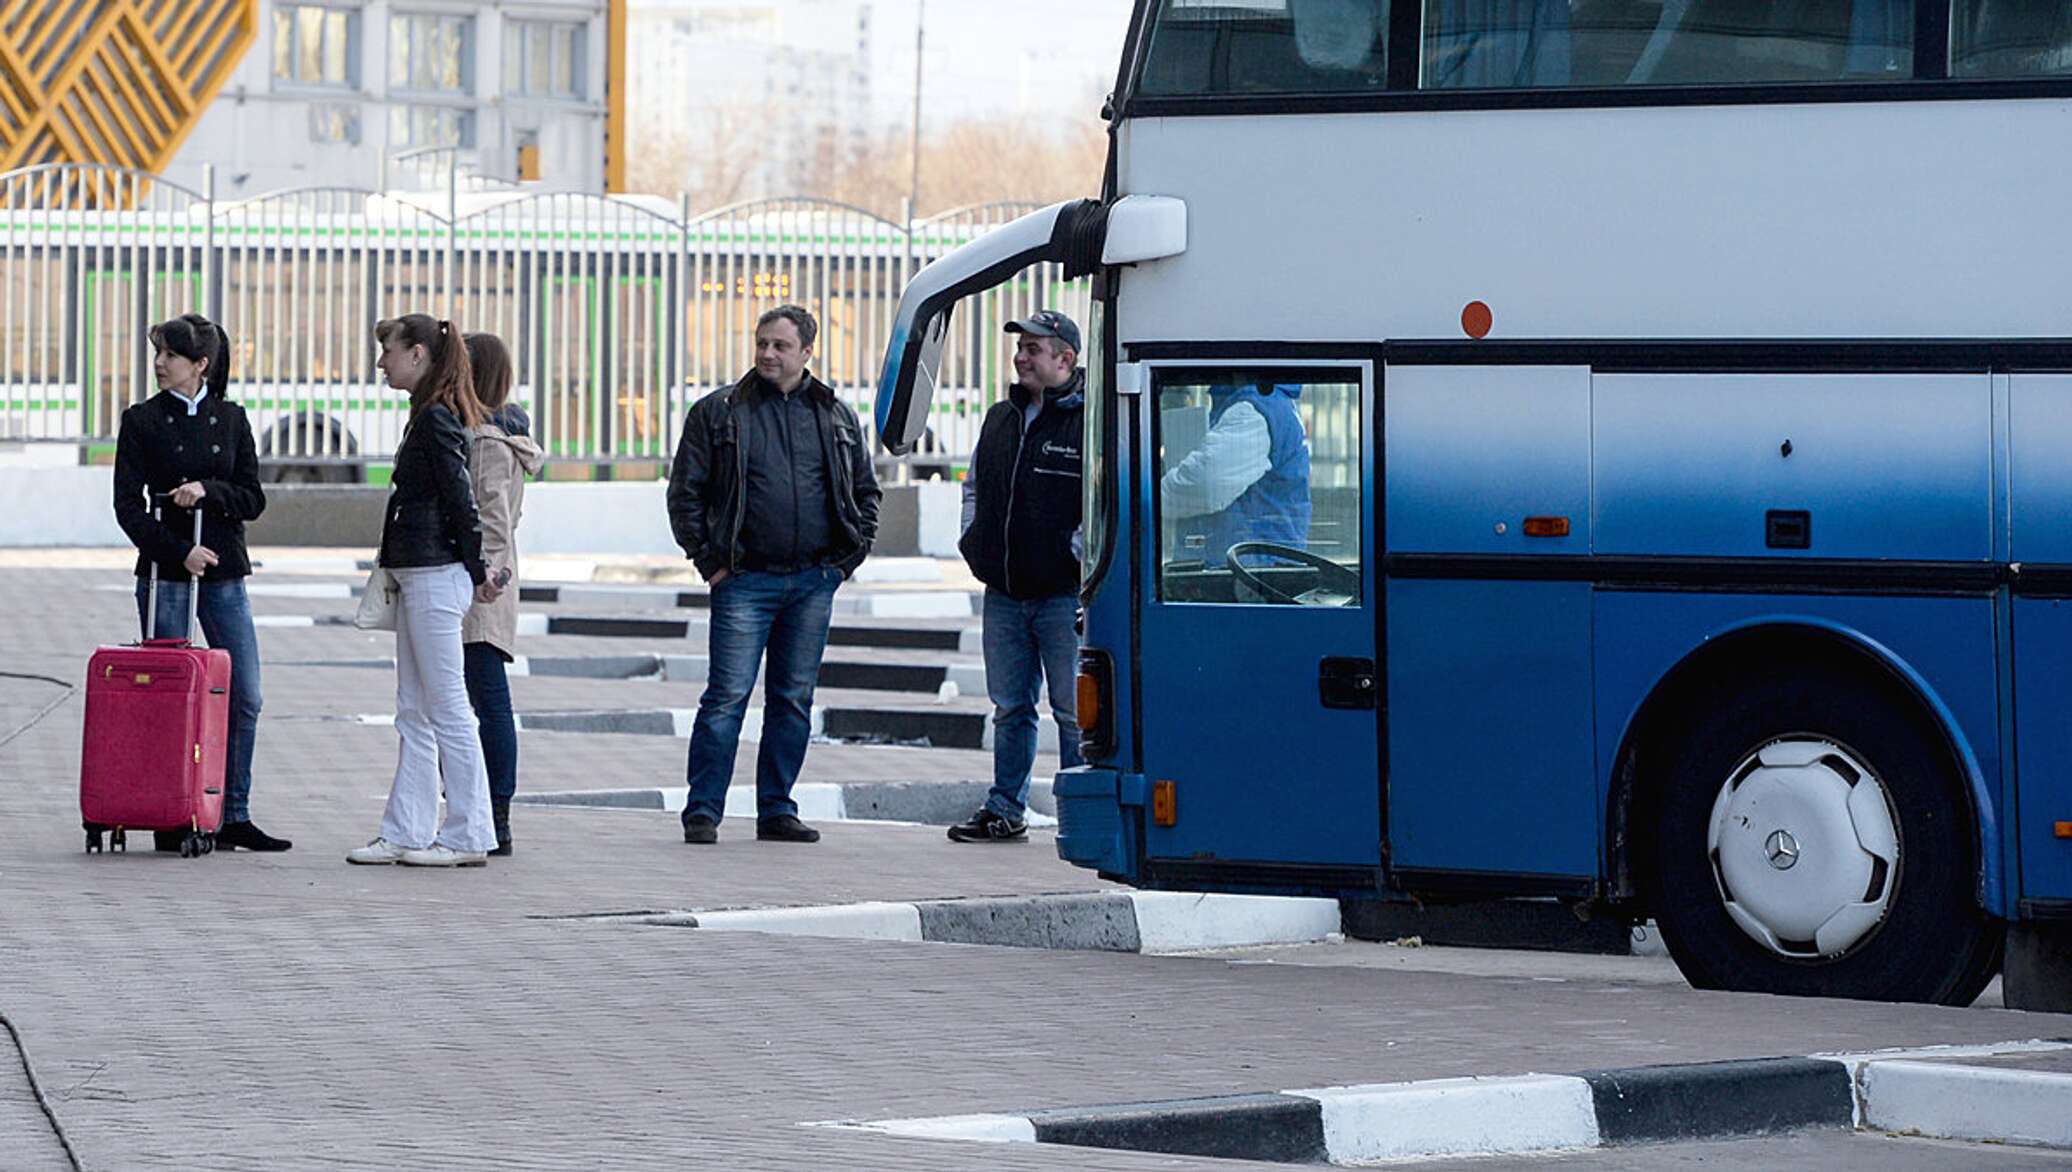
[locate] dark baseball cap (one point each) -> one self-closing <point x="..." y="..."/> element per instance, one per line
<point x="1049" y="323"/>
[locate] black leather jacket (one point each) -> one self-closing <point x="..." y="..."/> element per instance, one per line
<point x="431" y="519"/>
<point x="705" y="502"/>
<point x="161" y="447"/>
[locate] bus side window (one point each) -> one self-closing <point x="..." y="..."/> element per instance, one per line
<point x="1259" y="490"/>
<point x="1991" y="38"/>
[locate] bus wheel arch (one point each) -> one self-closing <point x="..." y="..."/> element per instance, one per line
<point x="1774" y="702"/>
<point x="284" y="443"/>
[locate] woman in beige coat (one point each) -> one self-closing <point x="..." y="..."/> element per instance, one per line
<point x="501" y="455"/>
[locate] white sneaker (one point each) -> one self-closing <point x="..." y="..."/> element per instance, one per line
<point x="381" y="850"/>
<point x="439" y="855"/>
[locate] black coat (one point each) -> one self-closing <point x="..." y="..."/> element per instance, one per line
<point x="159" y="448"/>
<point x="431" y="518"/>
<point x="1026" y="486"/>
<point x="706" y="503"/>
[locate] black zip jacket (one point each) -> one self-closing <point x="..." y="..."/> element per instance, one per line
<point x="1026" y="489"/>
<point x="707" y="503"/>
<point x="159" y="448"/>
<point x="431" y="518"/>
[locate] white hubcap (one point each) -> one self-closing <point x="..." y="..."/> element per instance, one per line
<point x="1804" y="848"/>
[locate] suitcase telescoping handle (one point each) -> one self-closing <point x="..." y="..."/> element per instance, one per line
<point x="159" y="500"/>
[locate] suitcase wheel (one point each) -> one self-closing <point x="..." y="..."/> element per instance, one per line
<point x="93" y="836"/>
<point x="195" y="844"/>
<point x="118" y="841"/>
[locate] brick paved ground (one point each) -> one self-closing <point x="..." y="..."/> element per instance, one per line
<point x="250" y="1012"/>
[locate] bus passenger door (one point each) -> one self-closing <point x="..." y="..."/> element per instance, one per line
<point x="1258" y="680"/>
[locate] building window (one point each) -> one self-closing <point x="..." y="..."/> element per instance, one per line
<point x="334" y="122"/>
<point x="432" y="54"/>
<point x="421" y="126"/>
<point x="317" y="46"/>
<point x="544" y="59"/>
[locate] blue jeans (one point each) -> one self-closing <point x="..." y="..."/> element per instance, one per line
<point x="489" y="694"/>
<point x="785" y="615"/>
<point x="1027" y="643"/>
<point x="226" y="622"/>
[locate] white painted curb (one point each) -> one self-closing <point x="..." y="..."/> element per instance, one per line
<point x="854" y="921"/>
<point x="1455" y="1117"/>
<point x="1172" y="921"/>
<point x="989" y="1129"/>
<point x="1967" y="1102"/>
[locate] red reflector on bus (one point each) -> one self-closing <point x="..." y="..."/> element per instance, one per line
<point x="1546" y="526"/>
<point x="1476" y="320"/>
<point x="1165" y="809"/>
<point x="2064" y="829"/>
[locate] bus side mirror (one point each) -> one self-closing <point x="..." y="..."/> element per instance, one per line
<point x="1144" y="227"/>
<point x="907" y="386"/>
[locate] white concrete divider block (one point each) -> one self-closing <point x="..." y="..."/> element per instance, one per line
<point x="1046" y="731"/>
<point x="283" y="620"/>
<point x="850" y="921"/>
<point x="988" y="1129"/>
<point x="520" y="665"/>
<point x="590" y="520"/>
<point x="818" y="801"/>
<point x="971" y="642"/>
<point x="279" y="561"/>
<point x="1967" y="1102"/>
<point x="934" y="604"/>
<point x="882" y="569"/>
<point x="970" y="678"/>
<point x="1455" y="1117"/>
<point x="532" y="622"/>
<point x="1174" y="921"/>
<point x="300" y="589"/>
<point x="59" y="506"/>
<point x="544" y="570"/>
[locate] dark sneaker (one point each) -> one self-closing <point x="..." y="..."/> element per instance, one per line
<point x="700" y="830"/>
<point x="986" y="826"/>
<point x="250" y="837"/>
<point x="785" y="828"/>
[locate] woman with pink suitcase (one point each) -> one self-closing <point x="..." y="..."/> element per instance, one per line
<point x="192" y="446"/>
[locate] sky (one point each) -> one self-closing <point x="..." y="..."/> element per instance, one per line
<point x="1049" y="59"/>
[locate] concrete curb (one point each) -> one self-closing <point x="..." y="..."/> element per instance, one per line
<point x="1126" y="921"/>
<point x="969" y="679"/>
<point x="929" y="803"/>
<point x="1536" y="1113"/>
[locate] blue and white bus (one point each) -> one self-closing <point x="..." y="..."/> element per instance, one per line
<point x="1651" y="483"/>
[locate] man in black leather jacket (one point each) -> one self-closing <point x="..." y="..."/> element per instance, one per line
<point x="773" y="497"/>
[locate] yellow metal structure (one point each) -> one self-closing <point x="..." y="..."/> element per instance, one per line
<point x="615" y="97"/>
<point x="116" y="82"/>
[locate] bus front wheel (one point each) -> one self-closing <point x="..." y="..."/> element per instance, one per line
<point x="1815" y="840"/>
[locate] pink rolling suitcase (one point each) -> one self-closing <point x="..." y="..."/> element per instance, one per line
<point x="157" y="722"/>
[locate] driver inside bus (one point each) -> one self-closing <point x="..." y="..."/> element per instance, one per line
<point x="1247" y="481"/>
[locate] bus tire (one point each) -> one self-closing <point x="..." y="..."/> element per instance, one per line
<point x="1767" y="829"/>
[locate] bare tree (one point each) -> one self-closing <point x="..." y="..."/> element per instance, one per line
<point x="973" y="161"/>
<point x="708" y="154"/>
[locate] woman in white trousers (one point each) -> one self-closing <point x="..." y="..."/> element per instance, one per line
<point x="431" y="541"/>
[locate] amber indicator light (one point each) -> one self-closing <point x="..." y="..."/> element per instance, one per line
<point x="1089" y="714"/>
<point x="1546" y="526"/>
<point x="2064" y="829"/>
<point x="1165" y="808"/>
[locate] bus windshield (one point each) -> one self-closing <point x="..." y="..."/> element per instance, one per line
<point x="1266" y="47"/>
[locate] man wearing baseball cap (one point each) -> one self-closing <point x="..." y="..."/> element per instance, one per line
<point x="1021" y="516"/>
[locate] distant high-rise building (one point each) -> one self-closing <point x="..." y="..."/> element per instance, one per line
<point x="332" y="91"/>
<point x="755" y="99"/>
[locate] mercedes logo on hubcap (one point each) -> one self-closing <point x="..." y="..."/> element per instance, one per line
<point x="1781" y="849"/>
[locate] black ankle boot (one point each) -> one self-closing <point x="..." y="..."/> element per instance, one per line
<point x="501" y="813"/>
<point x="250" y="837"/>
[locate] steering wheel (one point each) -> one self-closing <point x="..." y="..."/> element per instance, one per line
<point x="1329" y="573"/>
